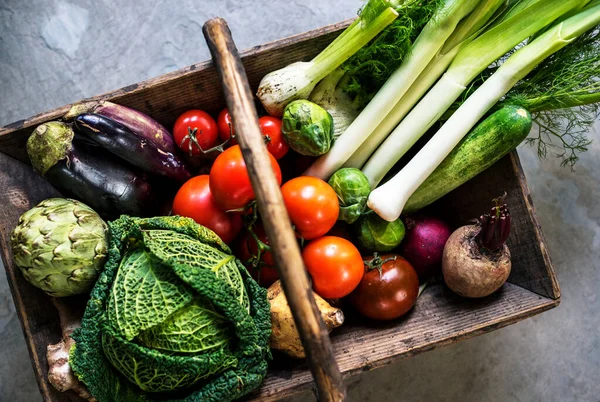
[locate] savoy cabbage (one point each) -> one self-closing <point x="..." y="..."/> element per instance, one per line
<point x="173" y="317"/>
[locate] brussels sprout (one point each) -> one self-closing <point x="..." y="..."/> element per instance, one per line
<point x="307" y="127"/>
<point x="376" y="234"/>
<point x="352" y="188"/>
<point x="60" y="246"/>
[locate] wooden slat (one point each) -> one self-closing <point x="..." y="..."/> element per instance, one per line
<point x="439" y="318"/>
<point x="167" y="96"/>
<point x="21" y="190"/>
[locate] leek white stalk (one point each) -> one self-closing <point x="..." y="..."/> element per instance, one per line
<point x="466" y="66"/>
<point x="330" y="95"/>
<point x="464" y="33"/>
<point x="428" y="43"/>
<point x="388" y="200"/>
<point x="297" y="80"/>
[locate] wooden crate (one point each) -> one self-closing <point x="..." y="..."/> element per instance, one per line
<point x="439" y="318"/>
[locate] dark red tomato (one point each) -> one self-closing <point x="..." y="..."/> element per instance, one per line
<point x="335" y="266"/>
<point x="225" y="126"/>
<point x="194" y="200"/>
<point x="312" y="205"/>
<point x="264" y="272"/>
<point x="388" y="295"/>
<point x="229" y="180"/>
<point x="195" y="131"/>
<point x="271" y="130"/>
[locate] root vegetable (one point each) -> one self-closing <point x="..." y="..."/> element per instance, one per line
<point x="284" y="335"/>
<point x="60" y="374"/>
<point x="476" y="261"/>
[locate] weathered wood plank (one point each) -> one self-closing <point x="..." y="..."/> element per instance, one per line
<point x="167" y="96"/>
<point x="21" y="190"/>
<point x="439" y="318"/>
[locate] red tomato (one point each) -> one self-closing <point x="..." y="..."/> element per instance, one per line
<point x="265" y="273"/>
<point x="389" y="294"/>
<point x="229" y="180"/>
<point x="194" y="200"/>
<point x="312" y="205"/>
<point x="225" y="126"/>
<point x="271" y="129"/>
<point x="197" y="126"/>
<point x="335" y="266"/>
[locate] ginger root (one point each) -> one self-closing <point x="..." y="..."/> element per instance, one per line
<point x="284" y="335"/>
<point x="60" y="374"/>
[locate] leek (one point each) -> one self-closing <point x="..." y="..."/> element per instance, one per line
<point x="388" y="200"/>
<point x="464" y="32"/>
<point x="297" y="80"/>
<point x="474" y="58"/>
<point x="428" y="43"/>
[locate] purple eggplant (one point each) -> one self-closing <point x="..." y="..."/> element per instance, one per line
<point x="124" y="143"/>
<point x="138" y="122"/>
<point x="90" y="174"/>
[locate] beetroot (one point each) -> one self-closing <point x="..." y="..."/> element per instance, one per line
<point x="423" y="245"/>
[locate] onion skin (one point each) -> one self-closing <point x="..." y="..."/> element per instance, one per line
<point x="469" y="272"/>
<point x="424" y="243"/>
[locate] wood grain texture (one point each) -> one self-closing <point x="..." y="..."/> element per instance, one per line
<point x="22" y="189"/>
<point x="361" y="345"/>
<point x="439" y="318"/>
<point x="284" y="245"/>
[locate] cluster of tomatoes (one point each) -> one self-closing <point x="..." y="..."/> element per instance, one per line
<point x="223" y="202"/>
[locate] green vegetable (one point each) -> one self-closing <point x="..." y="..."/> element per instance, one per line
<point x="485" y="12"/>
<point x="373" y="64"/>
<point x="297" y="80"/>
<point x="352" y="189"/>
<point x="376" y="234"/>
<point x="173" y="310"/>
<point x="465" y="66"/>
<point x="563" y="95"/>
<point x="487" y="143"/>
<point x="425" y="47"/>
<point x="60" y="246"/>
<point x="307" y="128"/>
<point x="388" y="200"/>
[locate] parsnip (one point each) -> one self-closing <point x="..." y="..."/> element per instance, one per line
<point x="284" y="335"/>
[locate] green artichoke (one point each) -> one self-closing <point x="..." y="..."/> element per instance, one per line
<point x="307" y="128"/>
<point x="60" y="246"/>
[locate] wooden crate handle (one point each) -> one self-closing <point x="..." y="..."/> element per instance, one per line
<point x="284" y="247"/>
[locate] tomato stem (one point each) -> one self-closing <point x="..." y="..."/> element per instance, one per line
<point x="377" y="263"/>
<point x="193" y="140"/>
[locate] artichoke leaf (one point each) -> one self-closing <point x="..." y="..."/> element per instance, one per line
<point x="183" y="249"/>
<point x="144" y="294"/>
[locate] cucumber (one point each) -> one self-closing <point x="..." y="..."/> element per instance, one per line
<point x="487" y="143"/>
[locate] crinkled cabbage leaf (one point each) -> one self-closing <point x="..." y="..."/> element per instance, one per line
<point x="173" y="317"/>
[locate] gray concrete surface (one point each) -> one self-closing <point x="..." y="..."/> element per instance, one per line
<point x="57" y="51"/>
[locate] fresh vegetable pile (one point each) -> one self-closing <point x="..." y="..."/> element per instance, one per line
<point x="178" y="308"/>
